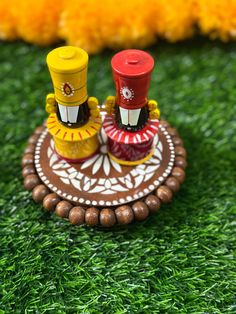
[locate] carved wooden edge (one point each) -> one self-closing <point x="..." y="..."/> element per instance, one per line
<point x="105" y="217"/>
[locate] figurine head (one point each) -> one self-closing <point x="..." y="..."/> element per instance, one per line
<point x="68" y="69"/>
<point x="132" y="72"/>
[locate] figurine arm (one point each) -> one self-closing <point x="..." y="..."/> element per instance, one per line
<point x="110" y="104"/>
<point x="50" y="103"/>
<point x="93" y="106"/>
<point x="154" y="112"/>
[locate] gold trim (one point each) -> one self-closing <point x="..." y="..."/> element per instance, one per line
<point x="131" y="163"/>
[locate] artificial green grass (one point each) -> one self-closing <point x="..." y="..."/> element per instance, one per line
<point x="179" y="261"/>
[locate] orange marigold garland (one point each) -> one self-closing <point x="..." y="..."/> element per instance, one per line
<point x="217" y="18"/>
<point x="95" y="25"/>
<point x="100" y="24"/>
<point x="37" y="21"/>
<point x="7" y="21"/>
<point x="175" y="19"/>
<point x="81" y="23"/>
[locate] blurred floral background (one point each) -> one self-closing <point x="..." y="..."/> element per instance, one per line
<point x="95" y="25"/>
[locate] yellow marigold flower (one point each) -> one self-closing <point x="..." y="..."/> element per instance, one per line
<point x="81" y="22"/>
<point x="217" y="18"/>
<point x="128" y="24"/>
<point x="106" y="23"/>
<point x="174" y="20"/>
<point x="37" y="21"/>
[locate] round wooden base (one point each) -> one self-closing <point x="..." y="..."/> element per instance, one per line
<point x="100" y="192"/>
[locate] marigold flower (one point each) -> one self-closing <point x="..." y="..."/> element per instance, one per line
<point x="95" y="25"/>
<point x="7" y="22"/>
<point x="175" y="19"/>
<point x="37" y="21"/>
<point x="217" y="18"/>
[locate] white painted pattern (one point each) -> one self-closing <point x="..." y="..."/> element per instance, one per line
<point x="105" y="185"/>
<point x="112" y="129"/>
<point x="127" y="93"/>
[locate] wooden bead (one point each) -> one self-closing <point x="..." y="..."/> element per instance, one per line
<point x="77" y="215"/>
<point x="63" y="208"/>
<point x="172" y="131"/>
<point x="164" y="123"/>
<point x="173" y="184"/>
<point x="31" y="181"/>
<point x="28" y="159"/>
<point x="141" y="211"/>
<point x="164" y="193"/>
<point x="29" y="149"/>
<point x="180" y="162"/>
<point x="50" y="201"/>
<point x="92" y="216"/>
<point x="28" y="170"/>
<point x="39" y="192"/>
<point x="107" y="217"/>
<point x="39" y="130"/>
<point x="180" y="151"/>
<point x="33" y="139"/>
<point x="153" y="203"/>
<point x="179" y="174"/>
<point x="124" y="215"/>
<point x="177" y="141"/>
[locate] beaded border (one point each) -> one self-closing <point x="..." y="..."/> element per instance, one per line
<point x="106" y="217"/>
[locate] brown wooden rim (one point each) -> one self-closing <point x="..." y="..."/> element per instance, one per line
<point x="106" y="217"/>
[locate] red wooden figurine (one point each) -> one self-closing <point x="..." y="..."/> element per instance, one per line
<point x="132" y="120"/>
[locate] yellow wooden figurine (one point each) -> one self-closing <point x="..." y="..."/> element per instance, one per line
<point x="74" y="119"/>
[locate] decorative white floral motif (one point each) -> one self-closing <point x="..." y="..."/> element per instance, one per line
<point x="127" y="93"/>
<point x="109" y="178"/>
<point x="104" y="183"/>
<point x="102" y="160"/>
